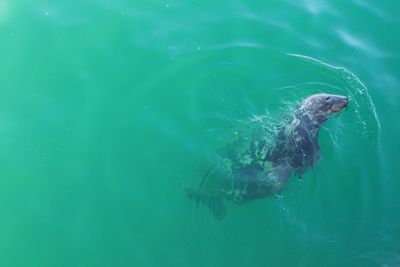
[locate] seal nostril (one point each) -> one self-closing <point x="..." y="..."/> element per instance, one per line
<point x="346" y="103"/>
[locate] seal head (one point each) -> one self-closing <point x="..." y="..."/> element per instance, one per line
<point x="317" y="109"/>
<point x="296" y="144"/>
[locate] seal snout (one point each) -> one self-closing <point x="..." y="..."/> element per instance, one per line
<point x="346" y="101"/>
<point x="340" y="103"/>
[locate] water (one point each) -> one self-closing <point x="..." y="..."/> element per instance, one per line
<point x="108" y="109"/>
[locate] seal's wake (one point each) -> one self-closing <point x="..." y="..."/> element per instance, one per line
<point x="253" y="167"/>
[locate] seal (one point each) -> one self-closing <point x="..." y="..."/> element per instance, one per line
<point x="256" y="166"/>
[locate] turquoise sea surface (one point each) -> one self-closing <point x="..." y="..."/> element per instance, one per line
<point x="109" y="109"/>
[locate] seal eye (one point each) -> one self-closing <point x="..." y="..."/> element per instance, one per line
<point x="327" y="98"/>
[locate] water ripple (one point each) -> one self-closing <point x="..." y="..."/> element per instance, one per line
<point x="356" y="88"/>
<point x="358" y="43"/>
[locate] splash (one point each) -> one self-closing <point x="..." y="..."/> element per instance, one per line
<point x="365" y="110"/>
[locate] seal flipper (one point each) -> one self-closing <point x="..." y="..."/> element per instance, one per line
<point x="280" y="176"/>
<point x="209" y="193"/>
<point x="214" y="203"/>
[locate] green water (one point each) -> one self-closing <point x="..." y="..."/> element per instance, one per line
<point x="108" y="109"/>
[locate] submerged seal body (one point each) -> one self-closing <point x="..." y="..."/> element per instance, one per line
<point x="255" y="168"/>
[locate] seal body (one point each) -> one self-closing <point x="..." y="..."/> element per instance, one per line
<point x="257" y="165"/>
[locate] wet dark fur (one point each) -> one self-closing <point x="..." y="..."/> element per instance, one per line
<point x="260" y="170"/>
